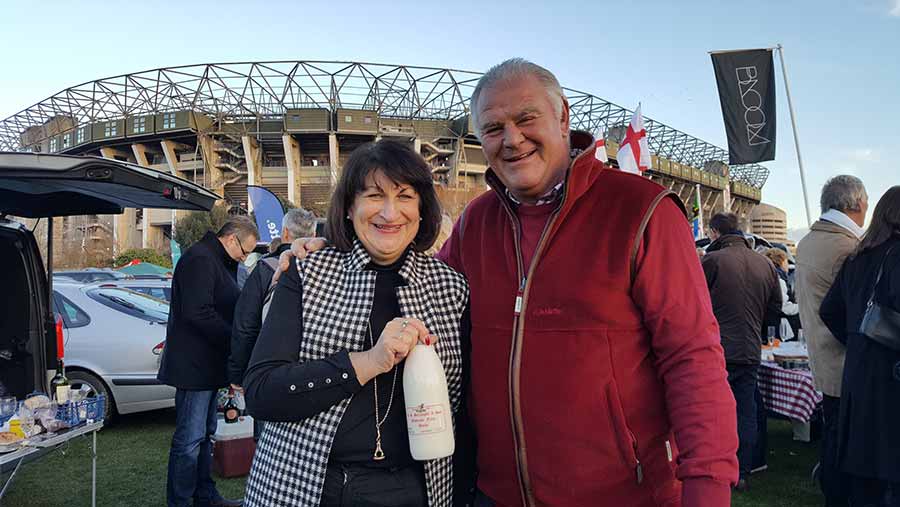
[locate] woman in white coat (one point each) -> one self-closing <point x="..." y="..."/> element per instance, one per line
<point x="788" y="308"/>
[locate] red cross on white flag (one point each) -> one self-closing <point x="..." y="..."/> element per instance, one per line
<point x="600" y="148"/>
<point x="634" y="152"/>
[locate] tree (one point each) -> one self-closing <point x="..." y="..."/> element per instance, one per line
<point x="192" y="227"/>
<point x="145" y="255"/>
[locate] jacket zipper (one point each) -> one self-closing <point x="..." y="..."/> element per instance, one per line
<point x="515" y="359"/>
<point x="515" y="416"/>
<point x="638" y="468"/>
<point x="515" y="354"/>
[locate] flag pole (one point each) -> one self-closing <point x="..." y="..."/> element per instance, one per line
<point x="787" y="89"/>
<point x="700" y="207"/>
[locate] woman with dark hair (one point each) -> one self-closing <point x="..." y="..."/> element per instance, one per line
<point x="869" y="440"/>
<point x="327" y="370"/>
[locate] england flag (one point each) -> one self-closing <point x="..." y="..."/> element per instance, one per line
<point x="600" y="148"/>
<point x="634" y="152"/>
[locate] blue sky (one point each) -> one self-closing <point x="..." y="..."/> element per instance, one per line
<point x="842" y="58"/>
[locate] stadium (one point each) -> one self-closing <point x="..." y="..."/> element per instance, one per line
<point x="290" y="126"/>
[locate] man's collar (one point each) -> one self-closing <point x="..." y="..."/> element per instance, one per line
<point x="284" y="247"/>
<point x="217" y="247"/>
<point x="727" y="240"/>
<point x="554" y="195"/>
<point x="840" y="218"/>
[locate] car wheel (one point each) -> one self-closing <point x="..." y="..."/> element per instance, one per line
<point x="79" y="378"/>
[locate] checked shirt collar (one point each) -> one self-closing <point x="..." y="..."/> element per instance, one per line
<point x="550" y="197"/>
<point x="359" y="258"/>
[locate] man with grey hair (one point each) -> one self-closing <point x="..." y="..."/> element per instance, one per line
<point x="820" y="255"/>
<point x="297" y="223"/>
<point x="588" y="350"/>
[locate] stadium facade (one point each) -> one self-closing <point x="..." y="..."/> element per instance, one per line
<point x="291" y="125"/>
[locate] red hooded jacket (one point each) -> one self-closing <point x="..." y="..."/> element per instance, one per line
<point x="589" y="365"/>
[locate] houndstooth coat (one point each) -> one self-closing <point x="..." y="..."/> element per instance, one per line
<point x="291" y="458"/>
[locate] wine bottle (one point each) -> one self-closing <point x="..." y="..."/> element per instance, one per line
<point x="59" y="385"/>
<point x="232" y="413"/>
<point x="429" y="420"/>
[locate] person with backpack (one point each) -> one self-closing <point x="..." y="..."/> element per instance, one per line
<point x="249" y="312"/>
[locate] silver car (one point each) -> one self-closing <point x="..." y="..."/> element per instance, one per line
<point x="159" y="288"/>
<point x="113" y="340"/>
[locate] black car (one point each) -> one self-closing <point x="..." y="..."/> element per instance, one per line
<point x="46" y="186"/>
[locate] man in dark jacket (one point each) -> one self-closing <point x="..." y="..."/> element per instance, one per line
<point x="297" y="223"/>
<point x="204" y="292"/>
<point x="745" y="294"/>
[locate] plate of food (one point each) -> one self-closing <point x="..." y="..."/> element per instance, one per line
<point x="10" y="441"/>
<point x="792" y="361"/>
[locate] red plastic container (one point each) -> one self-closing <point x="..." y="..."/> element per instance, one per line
<point x="232" y="458"/>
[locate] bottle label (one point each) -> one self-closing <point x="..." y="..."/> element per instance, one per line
<point x="426" y="419"/>
<point x="62" y="394"/>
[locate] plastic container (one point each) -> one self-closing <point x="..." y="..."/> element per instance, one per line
<point x="243" y="428"/>
<point x="15" y="426"/>
<point x="74" y="413"/>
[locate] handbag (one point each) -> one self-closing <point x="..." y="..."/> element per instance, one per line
<point x="881" y="323"/>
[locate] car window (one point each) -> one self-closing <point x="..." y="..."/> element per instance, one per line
<point x="72" y="315"/>
<point x="159" y="293"/>
<point x="130" y="302"/>
<point x="156" y="292"/>
<point x="142" y="290"/>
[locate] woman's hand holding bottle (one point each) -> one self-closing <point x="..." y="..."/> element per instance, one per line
<point x="398" y="338"/>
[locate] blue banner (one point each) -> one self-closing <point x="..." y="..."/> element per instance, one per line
<point x="268" y="211"/>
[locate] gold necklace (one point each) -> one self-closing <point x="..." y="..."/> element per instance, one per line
<point x="379" y="453"/>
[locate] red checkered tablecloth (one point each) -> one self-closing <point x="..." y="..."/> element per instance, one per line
<point x="788" y="392"/>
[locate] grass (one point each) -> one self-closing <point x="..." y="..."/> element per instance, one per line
<point x="787" y="482"/>
<point x="132" y="457"/>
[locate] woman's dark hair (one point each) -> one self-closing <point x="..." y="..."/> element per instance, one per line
<point x="885" y="220"/>
<point x="401" y="165"/>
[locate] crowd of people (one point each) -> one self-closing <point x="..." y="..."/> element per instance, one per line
<point x="590" y="357"/>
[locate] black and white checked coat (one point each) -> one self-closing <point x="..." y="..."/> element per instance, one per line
<point x="291" y="458"/>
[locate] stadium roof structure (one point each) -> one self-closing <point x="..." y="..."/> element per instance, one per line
<point x="260" y="90"/>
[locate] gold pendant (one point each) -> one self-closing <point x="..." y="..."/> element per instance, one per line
<point x="379" y="454"/>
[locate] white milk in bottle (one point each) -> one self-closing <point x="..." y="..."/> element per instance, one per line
<point x="428" y="416"/>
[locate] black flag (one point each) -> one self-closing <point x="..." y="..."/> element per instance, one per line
<point x="747" y="92"/>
